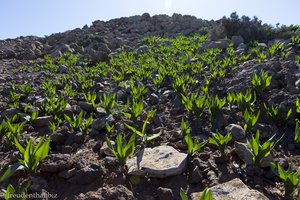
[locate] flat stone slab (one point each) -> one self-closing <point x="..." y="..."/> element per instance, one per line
<point x="160" y="162"/>
<point x="233" y="190"/>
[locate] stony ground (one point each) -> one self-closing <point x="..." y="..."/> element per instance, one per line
<point x="81" y="166"/>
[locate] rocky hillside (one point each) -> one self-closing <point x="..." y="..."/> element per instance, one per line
<point x="152" y="108"/>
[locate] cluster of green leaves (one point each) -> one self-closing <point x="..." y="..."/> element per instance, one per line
<point x="206" y="194"/>
<point x="290" y="179"/>
<point x="143" y="134"/>
<point x="122" y="149"/>
<point x="78" y="122"/>
<point x="297" y="60"/>
<point x="273" y="49"/>
<point x="261" y="151"/>
<point x="215" y="105"/>
<point x="54" y="106"/>
<point x="220" y="141"/>
<point x="134" y="110"/>
<point x="108" y="101"/>
<point x="250" y="120"/>
<point x="277" y="115"/>
<point x="14" y="97"/>
<point x="195" y="103"/>
<point x="261" y="82"/>
<point x="185" y="129"/>
<point x="12" y="193"/>
<point x="245" y="101"/>
<point x="31" y="157"/>
<point x="194" y="145"/>
<point x="91" y="97"/>
<point x="297" y="133"/>
<point x="295" y="40"/>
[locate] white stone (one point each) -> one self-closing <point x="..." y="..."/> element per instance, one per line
<point x="232" y="190"/>
<point x="160" y="162"/>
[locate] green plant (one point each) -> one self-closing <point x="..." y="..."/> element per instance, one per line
<point x="276" y="114"/>
<point x="195" y="103"/>
<point x="297" y="133"/>
<point x="30" y="117"/>
<point x="231" y="99"/>
<point x="272" y="50"/>
<point x="91" y="97"/>
<point x="135" y="110"/>
<point x="295" y="41"/>
<point x="109" y="128"/>
<point x="220" y="141"/>
<point x="31" y="157"/>
<point x="194" y="146"/>
<point x="108" y="102"/>
<point x="78" y="122"/>
<point x="185" y="129"/>
<point x="261" y="57"/>
<point x="206" y="194"/>
<point x="19" y="193"/>
<point x="14" y="99"/>
<point x="54" y="106"/>
<point x="215" y="105"/>
<point x="14" y="130"/>
<point x="261" y="82"/>
<point x="261" y="151"/>
<point x="297" y="60"/>
<point x="52" y="127"/>
<point x="291" y="180"/>
<point x="297" y="105"/>
<point x="145" y="137"/>
<point x="180" y="85"/>
<point x="122" y="150"/>
<point x="137" y="92"/>
<point x="26" y="89"/>
<point x="246" y="100"/>
<point x="250" y="120"/>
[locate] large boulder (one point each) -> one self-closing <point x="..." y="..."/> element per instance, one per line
<point x="160" y="162"/>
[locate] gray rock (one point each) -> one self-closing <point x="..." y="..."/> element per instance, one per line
<point x="154" y="99"/>
<point x="119" y="192"/>
<point x="165" y="193"/>
<point x="85" y="176"/>
<point x="56" y="163"/>
<point x="162" y="161"/>
<point x="63" y="69"/>
<point x="42" y="121"/>
<point x="262" y="46"/>
<point x="242" y="47"/>
<point x="195" y="175"/>
<point x="9" y="113"/>
<point x="142" y="49"/>
<point x="86" y="106"/>
<point x="220" y="44"/>
<point x="58" y="138"/>
<point x="100" y="111"/>
<point x="67" y="149"/>
<point x="99" y="124"/>
<point x="67" y="174"/>
<point x="245" y="154"/>
<point x="104" y="150"/>
<point x="79" y="137"/>
<point x="237" y="132"/>
<point x="232" y="190"/>
<point x="38" y="184"/>
<point x="237" y="39"/>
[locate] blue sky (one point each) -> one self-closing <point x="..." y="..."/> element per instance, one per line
<point x="43" y="17"/>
